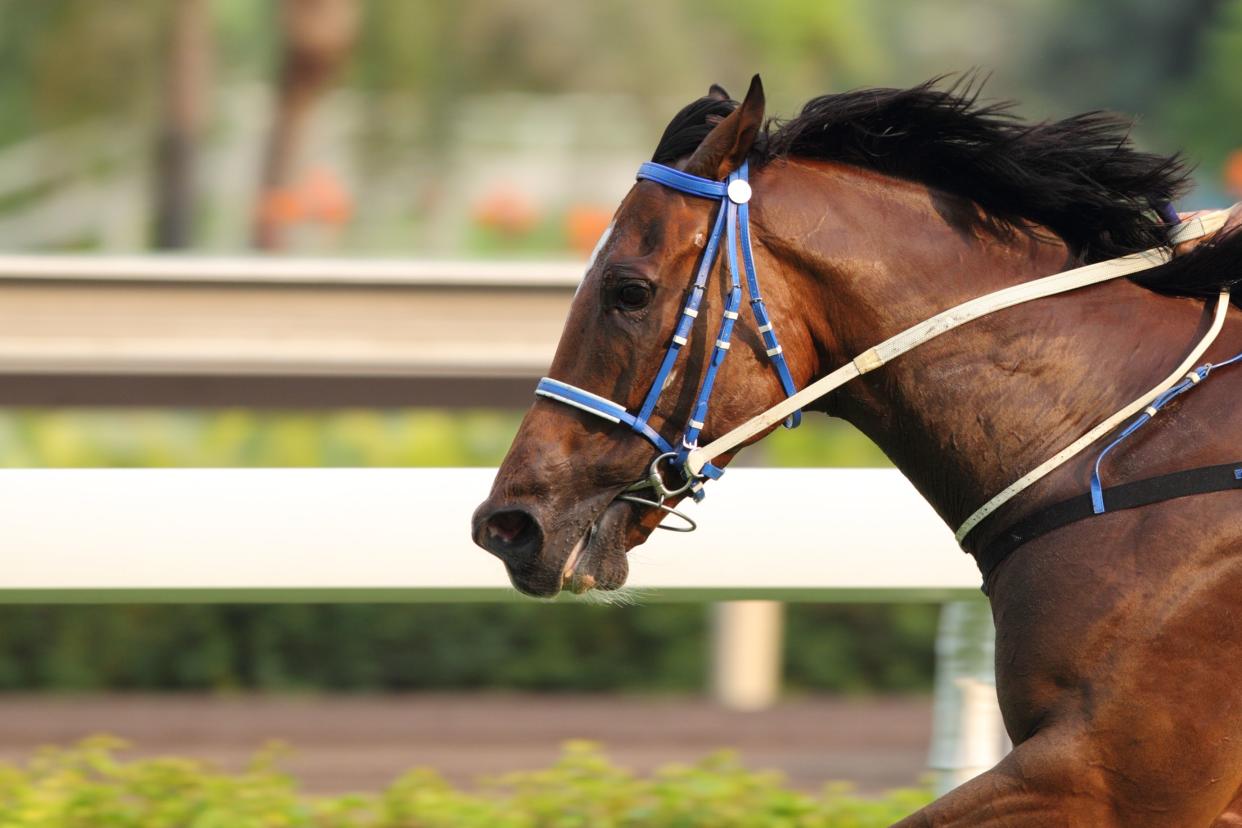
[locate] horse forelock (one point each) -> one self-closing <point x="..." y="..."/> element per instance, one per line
<point x="690" y="126"/>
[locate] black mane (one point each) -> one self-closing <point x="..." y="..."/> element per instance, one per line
<point x="1080" y="177"/>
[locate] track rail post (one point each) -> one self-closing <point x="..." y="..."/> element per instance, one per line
<point x="968" y="735"/>
<point x="746" y="653"/>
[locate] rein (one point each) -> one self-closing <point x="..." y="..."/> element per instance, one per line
<point x="733" y="221"/>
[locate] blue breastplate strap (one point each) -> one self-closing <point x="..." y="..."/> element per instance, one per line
<point x="1192" y="379"/>
<point x="732" y="223"/>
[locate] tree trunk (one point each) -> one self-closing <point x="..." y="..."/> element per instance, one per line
<point x="317" y="37"/>
<point x="184" y="105"/>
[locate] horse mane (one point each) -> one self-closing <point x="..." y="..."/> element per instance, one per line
<point x="1080" y="177"/>
<point x="690" y="126"/>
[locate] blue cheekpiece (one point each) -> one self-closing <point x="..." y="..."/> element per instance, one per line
<point x="732" y="222"/>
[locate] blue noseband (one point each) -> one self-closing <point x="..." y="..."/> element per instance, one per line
<point x="733" y="222"/>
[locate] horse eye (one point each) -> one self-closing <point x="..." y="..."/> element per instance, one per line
<point x="634" y="295"/>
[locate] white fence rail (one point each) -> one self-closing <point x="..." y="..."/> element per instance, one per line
<point x="195" y="316"/>
<point x="214" y="534"/>
<point x="173" y="269"/>
<point x="195" y="330"/>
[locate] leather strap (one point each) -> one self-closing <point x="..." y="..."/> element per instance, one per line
<point x="1126" y="496"/>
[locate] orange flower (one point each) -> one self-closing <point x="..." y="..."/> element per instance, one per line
<point x="319" y="196"/>
<point x="325" y="198"/>
<point x="1233" y="173"/>
<point x="507" y="210"/>
<point x="280" y="207"/>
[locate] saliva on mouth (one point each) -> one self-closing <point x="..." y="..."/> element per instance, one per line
<point x="581" y="583"/>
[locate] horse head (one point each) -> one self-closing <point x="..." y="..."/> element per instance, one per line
<point x="561" y="511"/>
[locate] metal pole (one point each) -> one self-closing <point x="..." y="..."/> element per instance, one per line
<point x="968" y="734"/>
<point x="746" y="653"/>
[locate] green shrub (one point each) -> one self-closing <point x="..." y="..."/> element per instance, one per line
<point x="88" y="787"/>
<point x="524" y="646"/>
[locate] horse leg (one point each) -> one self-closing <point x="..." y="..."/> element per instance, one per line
<point x="1039" y="784"/>
<point x="1057" y="779"/>
<point x="1051" y="781"/>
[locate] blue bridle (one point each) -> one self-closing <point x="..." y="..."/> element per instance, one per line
<point x="733" y="222"/>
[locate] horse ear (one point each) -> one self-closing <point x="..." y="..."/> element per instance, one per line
<point x="727" y="145"/>
<point x="718" y="93"/>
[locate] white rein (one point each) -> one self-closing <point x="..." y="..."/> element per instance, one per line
<point x="894" y="346"/>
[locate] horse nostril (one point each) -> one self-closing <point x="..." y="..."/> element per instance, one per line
<point x="509" y="534"/>
<point x="507" y="526"/>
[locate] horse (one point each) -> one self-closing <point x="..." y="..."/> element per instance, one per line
<point x="869" y="212"/>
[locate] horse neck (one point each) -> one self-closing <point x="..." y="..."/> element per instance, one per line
<point x="967" y="413"/>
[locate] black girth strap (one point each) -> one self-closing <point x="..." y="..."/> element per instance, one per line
<point x="1126" y="496"/>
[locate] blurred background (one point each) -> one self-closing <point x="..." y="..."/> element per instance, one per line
<point x="477" y="131"/>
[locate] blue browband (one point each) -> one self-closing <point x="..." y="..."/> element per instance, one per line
<point x="732" y="221"/>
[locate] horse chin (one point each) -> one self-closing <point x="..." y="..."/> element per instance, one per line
<point x="598" y="560"/>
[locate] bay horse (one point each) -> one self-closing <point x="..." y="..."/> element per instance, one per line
<point x="1118" y="664"/>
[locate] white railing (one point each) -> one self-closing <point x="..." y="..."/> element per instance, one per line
<point x="174" y="269"/>
<point x="235" y="318"/>
<point x="176" y="534"/>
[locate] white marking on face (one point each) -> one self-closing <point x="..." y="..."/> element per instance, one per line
<point x="599" y="246"/>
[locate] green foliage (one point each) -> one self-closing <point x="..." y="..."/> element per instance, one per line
<point x="1211" y="132"/>
<point x="860" y="648"/>
<point x="62" y="62"/>
<point x="417" y="69"/>
<point x="89" y="787"/>
<point x="240" y="438"/>
<point x="821" y="441"/>
<point x="368" y="648"/>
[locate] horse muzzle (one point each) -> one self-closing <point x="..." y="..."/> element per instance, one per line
<point x="582" y="549"/>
